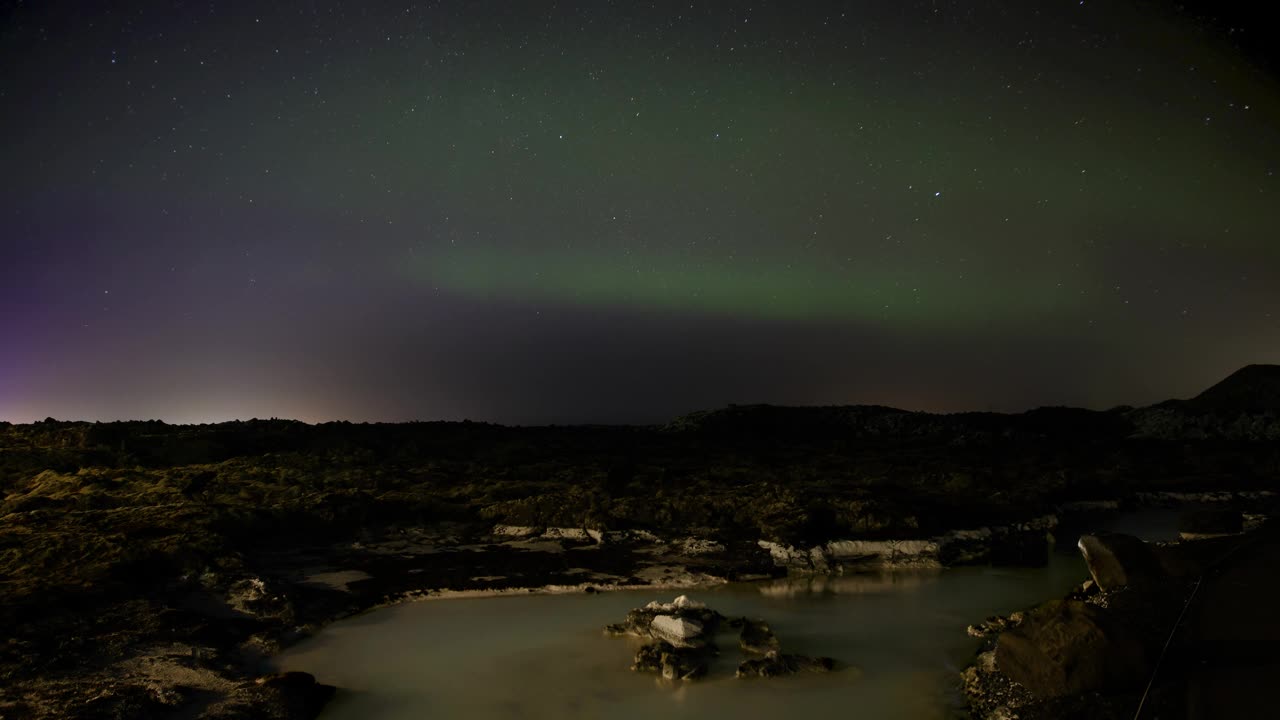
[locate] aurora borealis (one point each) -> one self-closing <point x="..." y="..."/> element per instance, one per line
<point x="617" y="212"/>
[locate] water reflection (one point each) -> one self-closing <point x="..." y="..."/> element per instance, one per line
<point x="860" y="584"/>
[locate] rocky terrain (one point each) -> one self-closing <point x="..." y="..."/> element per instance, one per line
<point x="147" y="569"/>
<point x="681" y="642"/>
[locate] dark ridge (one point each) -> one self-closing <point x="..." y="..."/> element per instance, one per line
<point x="1254" y="388"/>
<point x="825" y="425"/>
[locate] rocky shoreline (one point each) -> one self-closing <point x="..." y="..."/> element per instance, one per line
<point x="1115" y="645"/>
<point x="223" y="626"/>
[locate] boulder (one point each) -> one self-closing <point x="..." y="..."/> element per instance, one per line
<point x="671" y="662"/>
<point x="677" y="630"/>
<point x="685" y="622"/>
<point x="1067" y="646"/>
<point x="757" y="637"/>
<point x="684" y="602"/>
<point x="1117" y="560"/>
<point x="776" y="665"/>
<point x="683" y="644"/>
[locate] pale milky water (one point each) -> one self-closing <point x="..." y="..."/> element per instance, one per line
<point x="544" y="656"/>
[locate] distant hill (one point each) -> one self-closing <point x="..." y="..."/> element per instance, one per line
<point x="748" y="424"/>
<point x="1254" y="388"/>
<point x="1244" y="406"/>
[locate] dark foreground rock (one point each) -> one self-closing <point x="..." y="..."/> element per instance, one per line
<point x="1068" y="646"/>
<point x="1093" y="653"/>
<point x="1117" y="560"/>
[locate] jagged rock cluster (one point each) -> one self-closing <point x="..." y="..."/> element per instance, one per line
<point x="683" y="642"/>
<point x="1021" y="543"/>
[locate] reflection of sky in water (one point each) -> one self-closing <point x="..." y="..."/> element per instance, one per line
<point x="542" y="656"/>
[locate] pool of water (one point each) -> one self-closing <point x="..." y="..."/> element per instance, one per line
<point x="544" y="656"/>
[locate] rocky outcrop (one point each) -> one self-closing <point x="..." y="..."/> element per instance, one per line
<point x="756" y="636"/>
<point x="1067" y="646"/>
<point x="852" y="554"/>
<point x="684" y="632"/>
<point x="683" y="622"/>
<point x="1025" y="543"/>
<point x="672" y="662"/>
<point x="1116" y="560"/>
<point x="990" y="693"/>
<point x="516" y="531"/>
<point x="679" y="631"/>
<point x="797" y="559"/>
<point x="775" y="664"/>
<point x="571" y="534"/>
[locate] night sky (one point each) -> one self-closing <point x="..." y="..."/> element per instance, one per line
<point x="532" y="212"/>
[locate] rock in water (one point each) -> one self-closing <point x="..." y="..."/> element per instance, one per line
<point x="1067" y="646"/>
<point x="777" y="665"/>
<point x="677" y="630"/>
<point x="1117" y="560"/>
<point x="684" y="621"/>
<point x="757" y="637"/>
<point x="684" y="632"/>
<point x="671" y="662"/>
<point x="684" y="602"/>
